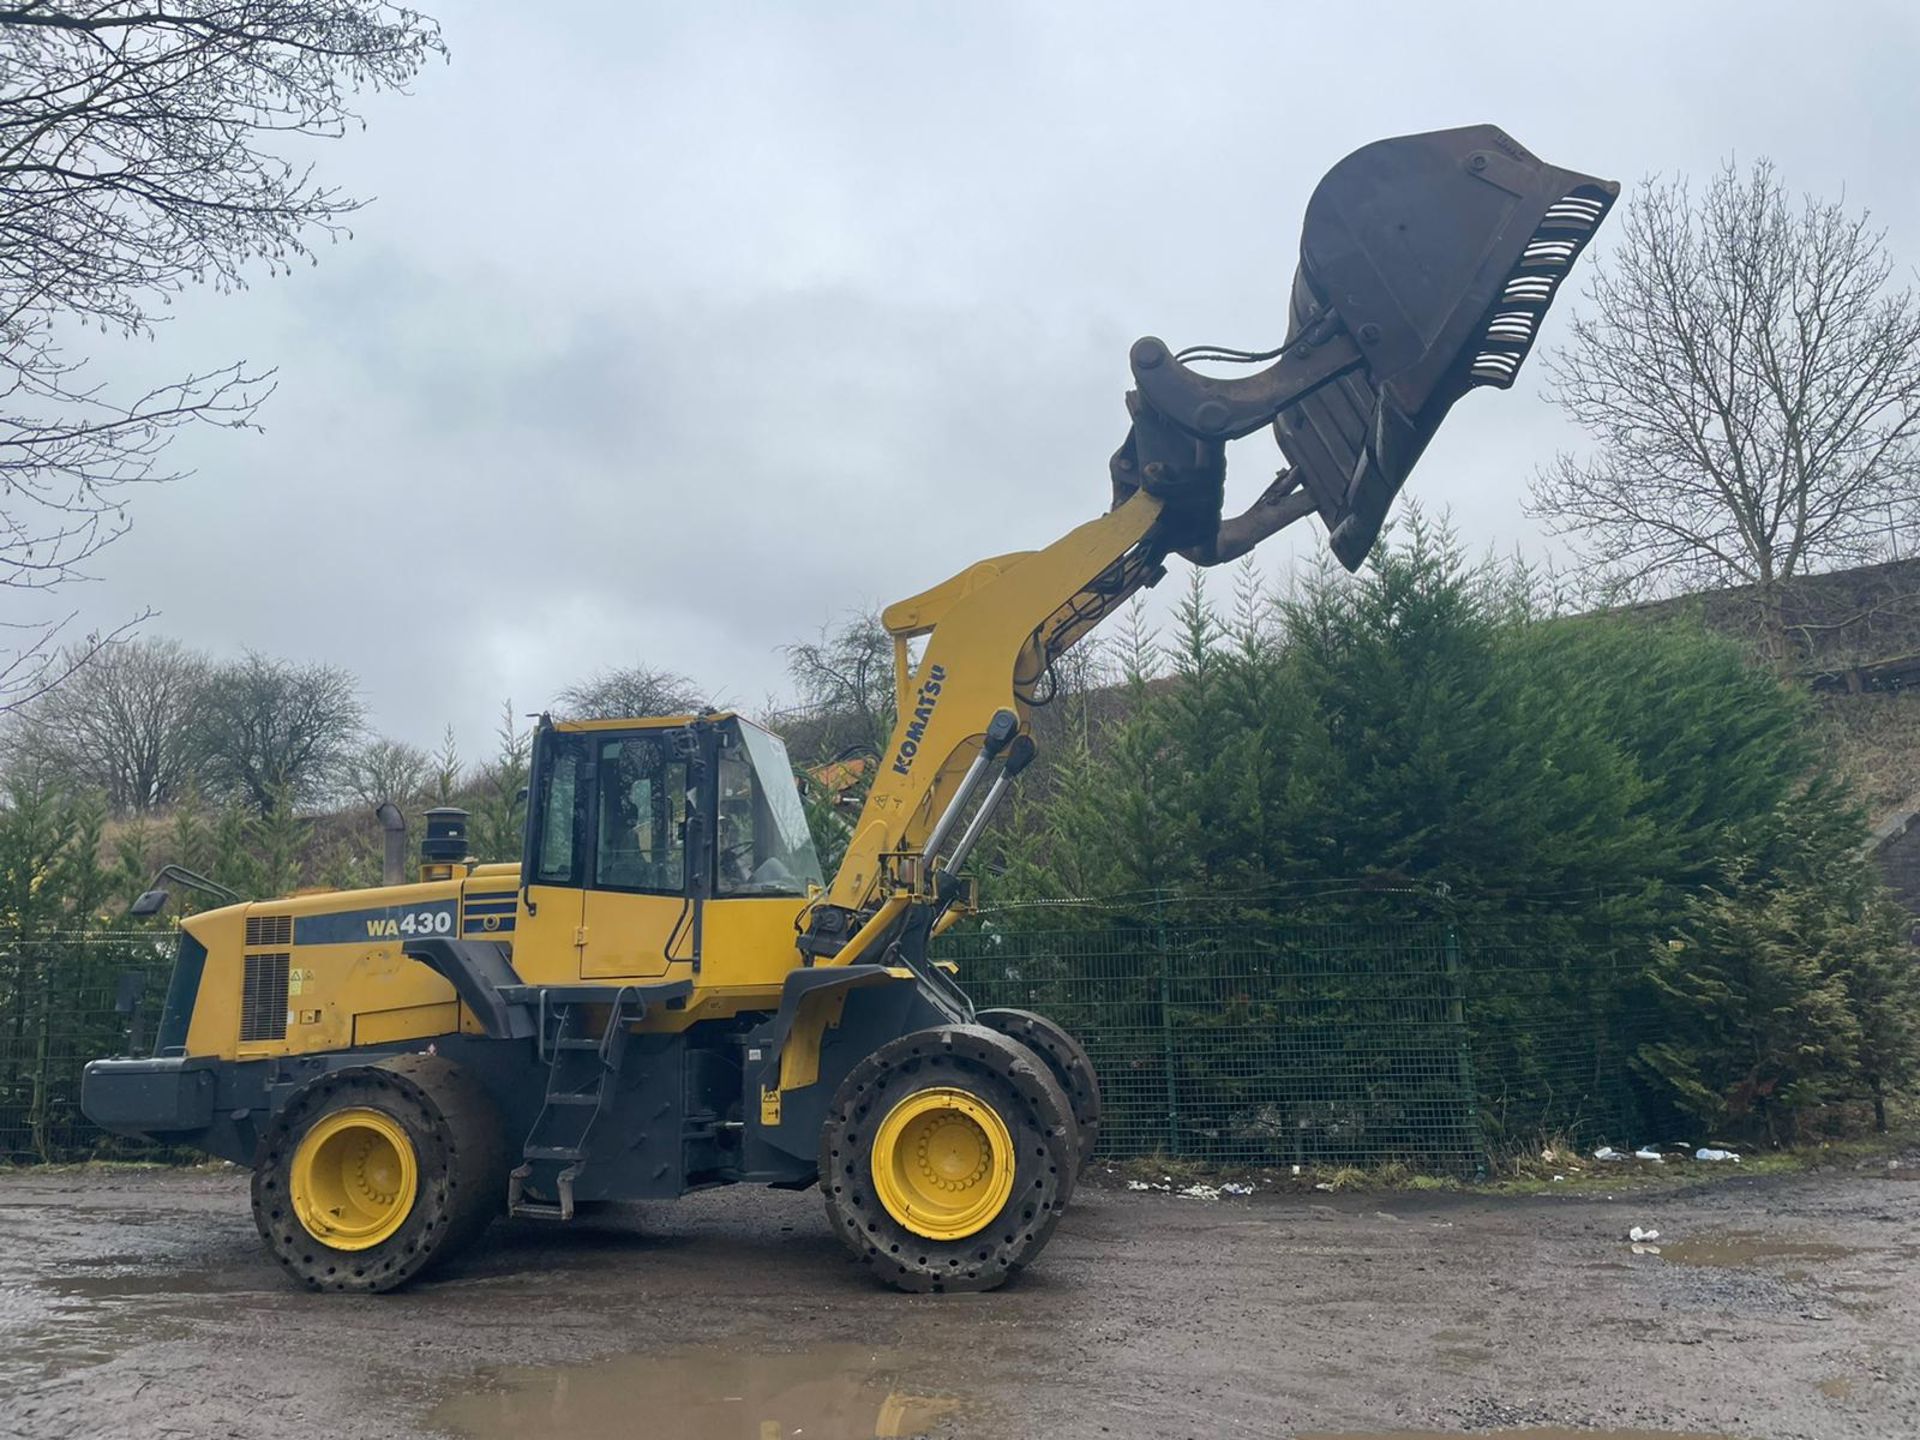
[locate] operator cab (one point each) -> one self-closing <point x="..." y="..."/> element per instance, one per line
<point x="635" y="823"/>
<point x="669" y="807"/>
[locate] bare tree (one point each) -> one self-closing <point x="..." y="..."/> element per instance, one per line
<point x="385" y="770"/>
<point x="136" y="157"/>
<point x="631" y="693"/>
<point x="844" y="679"/>
<point x="274" y="733"/>
<point x="122" y="726"/>
<point x="1751" y="382"/>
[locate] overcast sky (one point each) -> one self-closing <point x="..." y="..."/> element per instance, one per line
<point x="675" y="332"/>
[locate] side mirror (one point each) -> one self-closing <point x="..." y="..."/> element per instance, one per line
<point x="150" y="903"/>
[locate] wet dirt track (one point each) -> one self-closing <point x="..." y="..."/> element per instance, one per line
<point x="138" y="1303"/>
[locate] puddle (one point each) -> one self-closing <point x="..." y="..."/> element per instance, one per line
<point x="844" y="1392"/>
<point x="44" y="1334"/>
<point x="1838" y="1388"/>
<point x="1741" y="1249"/>
<point x="133" y="1282"/>
<point x="1550" y="1433"/>
<point x="96" y="1310"/>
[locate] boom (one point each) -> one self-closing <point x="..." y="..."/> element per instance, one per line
<point x="1426" y="264"/>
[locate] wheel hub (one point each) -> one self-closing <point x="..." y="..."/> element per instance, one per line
<point x="354" y="1179"/>
<point x="943" y="1163"/>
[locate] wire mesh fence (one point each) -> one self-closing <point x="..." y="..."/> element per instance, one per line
<point x="1428" y="1042"/>
<point x="65" y="1000"/>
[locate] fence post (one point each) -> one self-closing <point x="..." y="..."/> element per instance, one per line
<point x="1469" y="1084"/>
<point x="42" y="1063"/>
<point x="1166" y="1024"/>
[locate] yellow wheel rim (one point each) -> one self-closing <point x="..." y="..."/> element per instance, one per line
<point x="943" y="1163"/>
<point x="354" y="1179"/>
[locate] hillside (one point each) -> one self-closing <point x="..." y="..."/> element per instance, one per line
<point x="1856" y="635"/>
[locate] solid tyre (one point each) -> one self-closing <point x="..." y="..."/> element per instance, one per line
<point x="449" y="1133"/>
<point x="984" y="1073"/>
<point x="1068" y="1060"/>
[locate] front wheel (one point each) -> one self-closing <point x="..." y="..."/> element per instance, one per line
<point x="947" y="1158"/>
<point x="370" y="1176"/>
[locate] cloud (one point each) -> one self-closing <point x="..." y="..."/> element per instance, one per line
<point x="674" y="335"/>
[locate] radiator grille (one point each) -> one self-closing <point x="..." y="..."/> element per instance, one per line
<point x="263" y="998"/>
<point x="269" y="930"/>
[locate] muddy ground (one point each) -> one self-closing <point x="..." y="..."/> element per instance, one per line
<point x="139" y="1303"/>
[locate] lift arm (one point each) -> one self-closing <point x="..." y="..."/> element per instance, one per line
<point x="1426" y="265"/>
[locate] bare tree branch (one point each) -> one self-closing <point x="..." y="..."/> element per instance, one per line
<point x="136" y="158"/>
<point x="1751" y="381"/>
<point x="635" y="692"/>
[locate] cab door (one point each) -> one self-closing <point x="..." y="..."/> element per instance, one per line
<point x="636" y="919"/>
<point x="546" y="931"/>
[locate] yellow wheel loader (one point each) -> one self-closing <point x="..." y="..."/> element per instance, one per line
<point x="666" y="993"/>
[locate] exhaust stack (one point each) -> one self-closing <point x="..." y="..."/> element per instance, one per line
<point x="444" y="849"/>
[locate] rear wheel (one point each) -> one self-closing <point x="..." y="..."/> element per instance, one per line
<point x="947" y="1158"/>
<point x="1068" y="1061"/>
<point x="370" y="1176"/>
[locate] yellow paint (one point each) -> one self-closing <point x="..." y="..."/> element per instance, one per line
<point x="984" y="627"/>
<point x="359" y="992"/>
<point x="818" y="1013"/>
<point x="648" y="722"/>
<point x="625" y="935"/>
<point x="354" y="1179"/>
<point x="405" y="1022"/>
<point x="943" y="1163"/>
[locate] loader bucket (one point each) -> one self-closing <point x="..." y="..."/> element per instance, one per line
<point x="1439" y="254"/>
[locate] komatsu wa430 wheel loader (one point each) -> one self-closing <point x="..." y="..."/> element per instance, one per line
<point x="667" y="994"/>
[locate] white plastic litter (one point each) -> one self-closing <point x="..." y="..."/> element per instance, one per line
<point x="1708" y="1153"/>
<point x="1644" y="1249"/>
<point x="1647" y="1152"/>
<point x="1559" y="1177"/>
<point x="1138" y="1185"/>
<point x="1607" y="1152"/>
<point x="1640" y="1234"/>
<point x="1231" y="1189"/>
<point x="1201" y="1192"/>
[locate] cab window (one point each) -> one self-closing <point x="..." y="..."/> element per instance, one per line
<point x="561" y="834"/>
<point x="640" y="837"/>
<point x="764" y="846"/>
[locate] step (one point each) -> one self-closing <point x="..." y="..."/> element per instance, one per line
<point x="573" y="1099"/>
<point x="553" y="1152"/>
<point x="574" y="1042"/>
